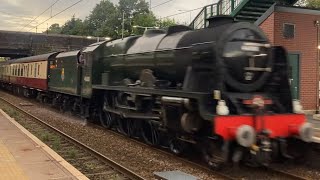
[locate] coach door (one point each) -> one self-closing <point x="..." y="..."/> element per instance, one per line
<point x="294" y="74"/>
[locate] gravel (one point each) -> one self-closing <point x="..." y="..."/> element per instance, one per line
<point x="136" y="156"/>
<point x="132" y="155"/>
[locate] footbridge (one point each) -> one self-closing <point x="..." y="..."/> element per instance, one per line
<point x="240" y="10"/>
<point x="19" y="44"/>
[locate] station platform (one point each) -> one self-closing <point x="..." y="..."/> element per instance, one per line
<point x="23" y="156"/>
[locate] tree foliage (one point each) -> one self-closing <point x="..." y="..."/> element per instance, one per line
<point x="102" y="19"/>
<point x="73" y="27"/>
<point x="309" y="3"/>
<point x="106" y="20"/>
<point x="164" y="23"/>
<point x="54" y="29"/>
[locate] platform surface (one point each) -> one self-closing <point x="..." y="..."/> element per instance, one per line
<point x="23" y="156"/>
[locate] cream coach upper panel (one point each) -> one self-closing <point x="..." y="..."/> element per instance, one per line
<point x="36" y="70"/>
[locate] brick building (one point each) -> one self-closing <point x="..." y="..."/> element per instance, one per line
<point x="297" y="29"/>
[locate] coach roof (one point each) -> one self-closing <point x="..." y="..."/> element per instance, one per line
<point x="41" y="57"/>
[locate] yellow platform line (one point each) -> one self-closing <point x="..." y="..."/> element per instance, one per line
<point x="9" y="169"/>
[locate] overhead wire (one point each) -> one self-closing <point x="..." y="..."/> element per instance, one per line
<point x="161" y="4"/>
<point x="40" y="15"/>
<point x="56" y="14"/>
<point x="182" y="12"/>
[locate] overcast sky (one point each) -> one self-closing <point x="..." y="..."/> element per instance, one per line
<point x="16" y="14"/>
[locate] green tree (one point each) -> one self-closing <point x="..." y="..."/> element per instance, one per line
<point x="133" y="7"/>
<point x="103" y="20"/>
<point x="313" y="3"/>
<point x="106" y="20"/>
<point x="54" y="29"/>
<point x="164" y="23"/>
<point x="309" y="3"/>
<point x="135" y="12"/>
<point x="143" y="20"/>
<point x="74" y="26"/>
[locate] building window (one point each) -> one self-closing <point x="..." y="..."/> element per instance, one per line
<point x="288" y="30"/>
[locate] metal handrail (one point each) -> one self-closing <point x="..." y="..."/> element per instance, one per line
<point x="225" y="7"/>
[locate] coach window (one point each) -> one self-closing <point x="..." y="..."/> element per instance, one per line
<point x="35" y="70"/>
<point x="38" y="69"/>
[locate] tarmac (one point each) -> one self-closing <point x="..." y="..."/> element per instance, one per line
<point x="23" y="156"/>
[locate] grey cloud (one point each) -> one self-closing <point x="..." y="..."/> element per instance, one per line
<point x="28" y="9"/>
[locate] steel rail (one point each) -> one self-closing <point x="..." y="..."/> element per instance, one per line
<point x="114" y="165"/>
<point x="194" y="164"/>
<point x="287" y="174"/>
<point x="191" y="163"/>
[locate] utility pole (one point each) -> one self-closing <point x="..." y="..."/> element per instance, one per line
<point x="122" y="24"/>
<point x="150" y="5"/>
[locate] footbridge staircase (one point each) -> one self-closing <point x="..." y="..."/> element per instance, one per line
<point x="241" y="10"/>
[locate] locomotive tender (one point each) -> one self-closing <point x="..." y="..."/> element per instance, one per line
<point x="224" y="89"/>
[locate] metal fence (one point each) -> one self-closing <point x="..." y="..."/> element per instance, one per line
<point x="222" y="7"/>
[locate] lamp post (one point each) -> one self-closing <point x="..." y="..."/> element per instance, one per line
<point x="150" y="5"/>
<point x="122" y="25"/>
<point x="181" y="10"/>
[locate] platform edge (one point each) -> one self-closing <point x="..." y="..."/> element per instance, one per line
<point x="75" y="172"/>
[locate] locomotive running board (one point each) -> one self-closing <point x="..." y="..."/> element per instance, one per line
<point x="200" y="96"/>
<point x="162" y="92"/>
<point x="131" y="115"/>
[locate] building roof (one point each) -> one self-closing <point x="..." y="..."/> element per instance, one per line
<point x="289" y="9"/>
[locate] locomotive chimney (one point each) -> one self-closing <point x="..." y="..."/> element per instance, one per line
<point x="219" y="20"/>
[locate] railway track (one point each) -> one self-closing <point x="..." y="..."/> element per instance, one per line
<point x="124" y="172"/>
<point x="287" y="174"/>
<point x="223" y="174"/>
<point x="88" y="161"/>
